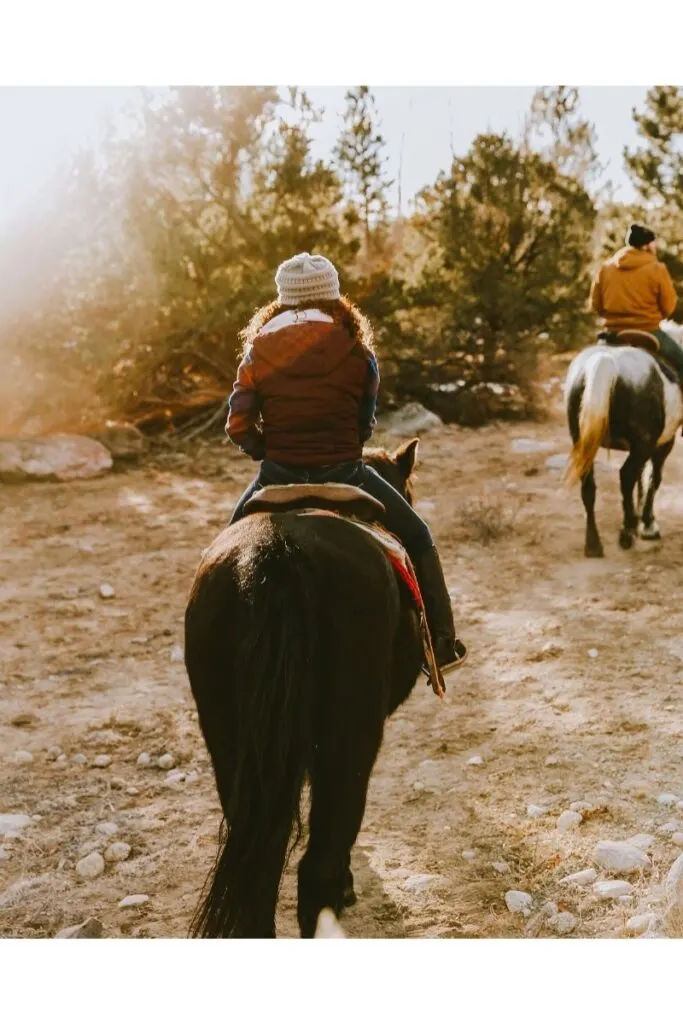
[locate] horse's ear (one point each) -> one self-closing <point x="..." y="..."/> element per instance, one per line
<point x="405" y="457"/>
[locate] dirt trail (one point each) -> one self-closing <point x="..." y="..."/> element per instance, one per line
<point x="94" y="676"/>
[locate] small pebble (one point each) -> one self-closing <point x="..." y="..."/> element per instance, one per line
<point x="476" y="760"/>
<point x="117" y="852"/>
<point x="569" y="820"/>
<point x="612" y="890"/>
<point x="36" y="817"/>
<point x="501" y="867"/>
<point x="89" y="929"/>
<point x="593" y="652"/>
<point x="107" y="591"/>
<point x="177" y="653"/>
<point x="563" y="923"/>
<point x="585" y="877"/>
<point x="679" y="805"/>
<point x="641" y="923"/>
<point x="534" y="811"/>
<point x="133" y="901"/>
<point x="550" y="761"/>
<point x="166" y="761"/>
<point x="102" y="761"/>
<point x="580" y="805"/>
<point x="667" y="799"/>
<point x="80" y="759"/>
<point x="643" y="841"/>
<point x="53" y="753"/>
<point x="107" y="828"/>
<point x="143" y="759"/>
<point x="469" y="854"/>
<point x="4" y="854"/>
<point x="677" y="838"/>
<point x="518" y="902"/>
<point x="23" y="757"/>
<point x="91" y="866"/>
<point x="174" y="778"/>
<point x="417" y="883"/>
<point x="669" y="827"/>
<point x="132" y="791"/>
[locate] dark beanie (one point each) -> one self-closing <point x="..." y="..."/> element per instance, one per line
<point x="638" y="236"/>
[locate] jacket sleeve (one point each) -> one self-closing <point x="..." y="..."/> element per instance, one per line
<point x="667" y="299"/>
<point x="596" y="295"/>
<point x="244" y="413"/>
<point x="368" y="403"/>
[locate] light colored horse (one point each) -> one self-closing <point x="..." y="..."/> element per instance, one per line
<point x="620" y="397"/>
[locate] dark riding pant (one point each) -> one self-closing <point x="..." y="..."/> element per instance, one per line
<point x="671" y="350"/>
<point x="401" y="519"/>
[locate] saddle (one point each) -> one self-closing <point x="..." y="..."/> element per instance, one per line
<point x="343" y="501"/>
<point x="645" y="340"/>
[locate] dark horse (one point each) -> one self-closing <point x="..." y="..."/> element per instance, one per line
<point x="620" y="397"/>
<point x="299" y="642"/>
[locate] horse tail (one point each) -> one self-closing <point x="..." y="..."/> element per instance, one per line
<point x="599" y="378"/>
<point x="272" y="681"/>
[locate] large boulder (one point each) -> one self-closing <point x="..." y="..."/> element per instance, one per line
<point x="410" y="420"/>
<point x="123" y="441"/>
<point x="56" y="457"/>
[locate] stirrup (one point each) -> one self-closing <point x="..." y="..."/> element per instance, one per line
<point x="448" y="669"/>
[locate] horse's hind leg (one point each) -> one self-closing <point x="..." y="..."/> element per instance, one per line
<point x="339" y="785"/>
<point x="593" y="547"/>
<point x="649" y="529"/>
<point x="629" y="475"/>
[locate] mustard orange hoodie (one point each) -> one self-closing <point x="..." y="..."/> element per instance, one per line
<point x="633" y="290"/>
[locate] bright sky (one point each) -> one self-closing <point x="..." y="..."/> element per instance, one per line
<point x="41" y="127"/>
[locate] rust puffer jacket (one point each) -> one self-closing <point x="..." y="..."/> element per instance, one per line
<point x="633" y="290"/>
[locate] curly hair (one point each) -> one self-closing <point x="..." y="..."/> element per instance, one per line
<point x="344" y="313"/>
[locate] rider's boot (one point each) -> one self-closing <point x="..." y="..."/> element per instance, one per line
<point x="450" y="653"/>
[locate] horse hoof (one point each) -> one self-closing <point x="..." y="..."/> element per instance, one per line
<point x="650" y="532"/>
<point x="597" y="552"/>
<point x="625" y="540"/>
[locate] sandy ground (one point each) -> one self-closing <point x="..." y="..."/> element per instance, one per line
<point x="573" y="693"/>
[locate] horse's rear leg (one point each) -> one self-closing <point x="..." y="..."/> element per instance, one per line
<point x="593" y="547"/>
<point x="649" y="529"/>
<point x="629" y="475"/>
<point x="339" y="785"/>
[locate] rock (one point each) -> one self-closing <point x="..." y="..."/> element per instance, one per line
<point x="643" y="841"/>
<point x="580" y="805"/>
<point x="88" y="929"/>
<point x="102" y="761"/>
<point x="534" y="811"/>
<point x="593" y="652"/>
<point x="563" y="923"/>
<point x="667" y="799"/>
<point x="53" y="753"/>
<point x="80" y="759"/>
<point x="418" y="883"/>
<point x="91" y="866"/>
<point x="640" y="924"/>
<point x="59" y="457"/>
<point x="551" y="649"/>
<point x="673" y="885"/>
<point x="528" y="446"/>
<point x="501" y="867"/>
<point x="518" y="902"/>
<point x="24" y="720"/>
<point x="409" y="421"/>
<point x="23" y="757"/>
<point x="620" y="857"/>
<point x="117" y="852"/>
<point x="174" y="778"/>
<point x="166" y="761"/>
<point x="143" y="759"/>
<point x="585" y="877"/>
<point x="106" y="591"/>
<point x="552" y="760"/>
<point x="469" y="854"/>
<point x="177" y="654"/>
<point x="107" y="828"/>
<point x="136" y="900"/>
<point x="679" y="805"/>
<point x="123" y="441"/>
<point x="476" y="760"/>
<point x="132" y="791"/>
<point x="10" y="823"/>
<point x="677" y="838"/>
<point x="556" y="462"/>
<point x="4" y="854"/>
<point x="612" y="890"/>
<point x="668" y="827"/>
<point x="569" y="820"/>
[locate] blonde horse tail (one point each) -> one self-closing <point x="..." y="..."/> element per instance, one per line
<point x="599" y="378"/>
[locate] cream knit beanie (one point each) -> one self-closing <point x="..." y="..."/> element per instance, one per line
<point x="306" y="278"/>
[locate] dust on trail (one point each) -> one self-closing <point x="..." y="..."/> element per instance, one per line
<point x="94" y="676"/>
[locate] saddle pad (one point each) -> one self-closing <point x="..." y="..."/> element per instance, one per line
<point x="403" y="567"/>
